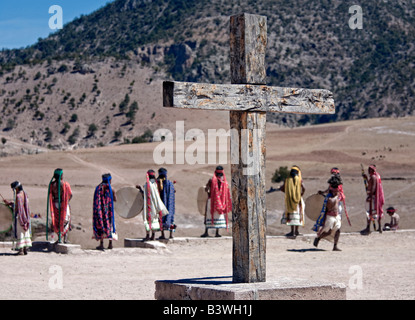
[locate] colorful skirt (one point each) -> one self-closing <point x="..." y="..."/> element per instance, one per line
<point x="24" y="239"/>
<point x="155" y="224"/>
<point x="67" y="222"/>
<point x="296" y="218"/>
<point x="218" y="221"/>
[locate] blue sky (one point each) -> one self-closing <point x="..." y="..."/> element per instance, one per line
<point x="23" y="22"/>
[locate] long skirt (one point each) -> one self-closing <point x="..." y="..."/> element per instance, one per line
<point x="296" y="218"/>
<point x="23" y="237"/>
<point x="155" y="224"/>
<point x="218" y="221"/>
<point x="67" y="221"/>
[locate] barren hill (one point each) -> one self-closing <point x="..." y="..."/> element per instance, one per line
<point x="52" y="106"/>
<point x="97" y="81"/>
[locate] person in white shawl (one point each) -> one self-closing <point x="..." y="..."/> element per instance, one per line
<point x="154" y="209"/>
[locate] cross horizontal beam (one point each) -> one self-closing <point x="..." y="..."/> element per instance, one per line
<point x="247" y="97"/>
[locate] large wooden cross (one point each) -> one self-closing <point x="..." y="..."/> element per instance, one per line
<point x="248" y="99"/>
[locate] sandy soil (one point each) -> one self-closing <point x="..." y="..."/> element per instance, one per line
<point x="386" y="260"/>
<point x="379" y="266"/>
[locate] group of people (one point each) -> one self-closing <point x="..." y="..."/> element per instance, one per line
<point x="159" y="207"/>
<point x="328" y="223"/>
<point x="59" y="195"/>
<point x="159" y="204"/>
<point x="158" y="212"/>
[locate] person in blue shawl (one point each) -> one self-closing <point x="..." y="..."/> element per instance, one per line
<point x="167" y="195"/>
<point x="103" y="213"/>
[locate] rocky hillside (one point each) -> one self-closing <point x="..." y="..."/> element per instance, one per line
<point x="97" y="81"/>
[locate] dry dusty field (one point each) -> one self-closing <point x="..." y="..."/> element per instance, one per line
<point x="386" y="260"/>
<point x="375" y="267"/>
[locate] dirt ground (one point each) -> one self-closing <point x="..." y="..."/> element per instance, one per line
<point x="384" y="263"/>
<point x="378" y="266"/>
<point x="386" y="142"/>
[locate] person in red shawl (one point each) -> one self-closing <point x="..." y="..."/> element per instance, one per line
<point x="219" y="203"/>
<point x="59" y="195"/>
<point x="21" y="221"/>
<point x="375" y="200"/>
<point x="103" y="219"/>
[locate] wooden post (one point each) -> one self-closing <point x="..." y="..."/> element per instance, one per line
<point x="248" y="100"/>
<point x="248" y="39"/>
<point x="248" y="198"/>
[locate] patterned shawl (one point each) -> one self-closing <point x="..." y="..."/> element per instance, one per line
<point x="103" y="211"/>
<point x="153" y="205"/>
<point x="220" y="198"/>
<point x="59" y="216"/>
<point x="22" y="211"/>
<point x="322" y="217"/>
<point x="167" y="194"/>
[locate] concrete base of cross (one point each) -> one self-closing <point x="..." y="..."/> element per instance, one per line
<point x="219" y="289"/>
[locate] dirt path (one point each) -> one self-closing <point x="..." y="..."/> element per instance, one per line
<point x="379" y="266"/>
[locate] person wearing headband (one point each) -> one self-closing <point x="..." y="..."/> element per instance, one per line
<point x="103" y="213"/>
<point x="394" y="224"/>
<point x="168" y="196"/>
<point x="335" y="172"/>
<point x="59" y="195"/>
<point x="21" y="222"/>
<point x="154" y="209"/>
<point x="219" y="203"/>
<point x="328" y="226"/>
<point x="374" y="201"/>
<point x="294" y="205"/>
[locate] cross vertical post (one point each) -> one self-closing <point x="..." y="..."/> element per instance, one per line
<point x="248" y="39"/>
<point x="248" y="100"/>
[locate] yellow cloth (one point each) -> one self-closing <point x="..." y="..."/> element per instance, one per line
<point x="299" y="172"/>
<point x="292" y="193"/>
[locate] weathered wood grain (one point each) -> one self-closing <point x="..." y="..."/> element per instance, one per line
<point x="248" y="43"/>
<point x="248" y="101"/>
<point x="247" y="97"/>
<point x="248" y="197"/>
